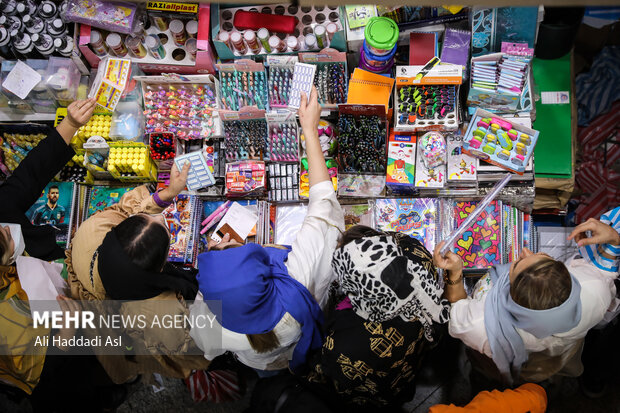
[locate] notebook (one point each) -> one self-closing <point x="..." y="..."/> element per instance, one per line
<point x="102" y="197"/>
<point x="55" y="207"/>
<point x="422" y="48"/>
<point x="366" y="88"/>
<point x="417" y="218"/>
<point x="480" y="246"/>
<point x="183" y="221"/>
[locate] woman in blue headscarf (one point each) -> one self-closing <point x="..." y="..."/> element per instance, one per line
<point x="271" y="296"/>
<point x="530" y="317"/>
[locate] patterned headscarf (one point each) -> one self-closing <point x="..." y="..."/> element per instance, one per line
<point x="386" y="276"/>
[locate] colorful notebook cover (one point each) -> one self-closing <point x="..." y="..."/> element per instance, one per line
<point x="480" y="246"/>
<point x="182" y="219"/>
<point x="417" y="218"/>
<point x="102" y="197"/>
<point x="55" y="207"/>
<point x="366" y="88"/>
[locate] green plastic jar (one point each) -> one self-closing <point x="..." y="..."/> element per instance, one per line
<point x="381" y="35"/>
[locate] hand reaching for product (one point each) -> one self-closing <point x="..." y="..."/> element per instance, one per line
<point x="178" y="179"/>
<point x="79" y="112"/>
<point x="450" y="261"/>
<point x="601" y="233"/>
<point x="309" y="113"/>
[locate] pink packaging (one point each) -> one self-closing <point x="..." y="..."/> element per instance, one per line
<point x="115" y="16"/>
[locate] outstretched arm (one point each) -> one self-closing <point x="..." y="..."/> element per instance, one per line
<point x="309" y="115"/>
<point x="43" y="162"/>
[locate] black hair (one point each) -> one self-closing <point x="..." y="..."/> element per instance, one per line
<point x="356" y="232"/>
<point x="54" y="187"/>
<point x="145" y="242"/>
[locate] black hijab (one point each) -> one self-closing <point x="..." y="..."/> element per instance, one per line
<point x="123" y="280"/>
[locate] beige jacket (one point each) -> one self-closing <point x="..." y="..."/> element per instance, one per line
<point x="87" y="239"/>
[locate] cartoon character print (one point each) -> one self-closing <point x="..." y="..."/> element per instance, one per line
<point x="479" y="247"/>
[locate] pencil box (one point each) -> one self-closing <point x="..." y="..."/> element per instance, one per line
<point x="273" y="22"/>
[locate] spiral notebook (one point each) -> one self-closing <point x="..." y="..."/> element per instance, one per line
<point x="56" y="207"/>
<point x="366" y="88"/>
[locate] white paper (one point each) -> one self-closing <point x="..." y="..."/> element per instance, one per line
<point x="555" y="98"/>
<point x="21" y="80"/>
<point x="42" y="283"/>
<point x="239" y="218"/>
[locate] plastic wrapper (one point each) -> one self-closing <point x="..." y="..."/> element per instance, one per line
<point x="127" y="123"/>
<point x="552" y="241"/>
<point x="416" y="217"/>
<point x="289" y="219"/>
<point x="361" y="186"/>
<point x="114" y="16"/>
<point x="63" y="79"/>
<point x="359" y="214"/>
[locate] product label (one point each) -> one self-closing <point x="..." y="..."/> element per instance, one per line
<point x="172" y="7"/>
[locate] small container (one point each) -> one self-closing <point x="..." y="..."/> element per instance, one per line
<point x="64" y="45"/>
<point x="44" y="43"/>
<point x="56" y="28"/>
<point x="381" y="34"/>
<point x="191" y="47"/>
<point x="21" y="42"/>
<point x="378" y="62"/>
<point x="250" y="38"/>
<point x="8" y="7"/>
<point x="321" y="36"/>
<point x="293" y="43"/>
<point x="332" y="29"/>
<point x="115" y="43"/>
<point x="160" y="22"/>
<point x="237" y="42"/>
<point x="277" y="45"/>
<point x="97" y="43"/>
<point x="263" y="37"/>
<point x="224" y="37"/>
<point x="47" y="10"/>
<point x="33" y="24"/>
<point x="191" y="27"/>
<point x="153" y="44"/>
<point x="177" y="29"/>
<point x="26" y="8"/>
<point x="134" y="44"/>
<point x="310" y="41"/>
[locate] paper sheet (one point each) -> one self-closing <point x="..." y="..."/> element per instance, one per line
<point x="240" y="219"/>
<point x="21" y="80"/>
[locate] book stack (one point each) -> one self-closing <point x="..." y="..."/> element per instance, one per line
<point x="484" y="75"/>
<point x="512" y="73"/>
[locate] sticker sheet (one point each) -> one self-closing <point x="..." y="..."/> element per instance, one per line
<point x="416" y="217"/>
<point x="480" y="245"/>
<point x="200" y="175"/>
<point x="303" y="79"/>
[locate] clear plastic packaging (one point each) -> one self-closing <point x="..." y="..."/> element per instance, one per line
<point x="127" y="122"/>
<point x="63" y="79"/>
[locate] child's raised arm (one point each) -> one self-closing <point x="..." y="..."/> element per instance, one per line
<point x="309" y="115"/>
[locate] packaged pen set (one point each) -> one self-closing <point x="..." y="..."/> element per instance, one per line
<point x="426" y="97"/>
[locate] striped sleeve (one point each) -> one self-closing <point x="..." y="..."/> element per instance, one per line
<point x="612" y="218"/>
<point x="591" y="252"/>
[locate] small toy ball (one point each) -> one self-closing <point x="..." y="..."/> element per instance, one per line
<point x="433" y="149"/>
